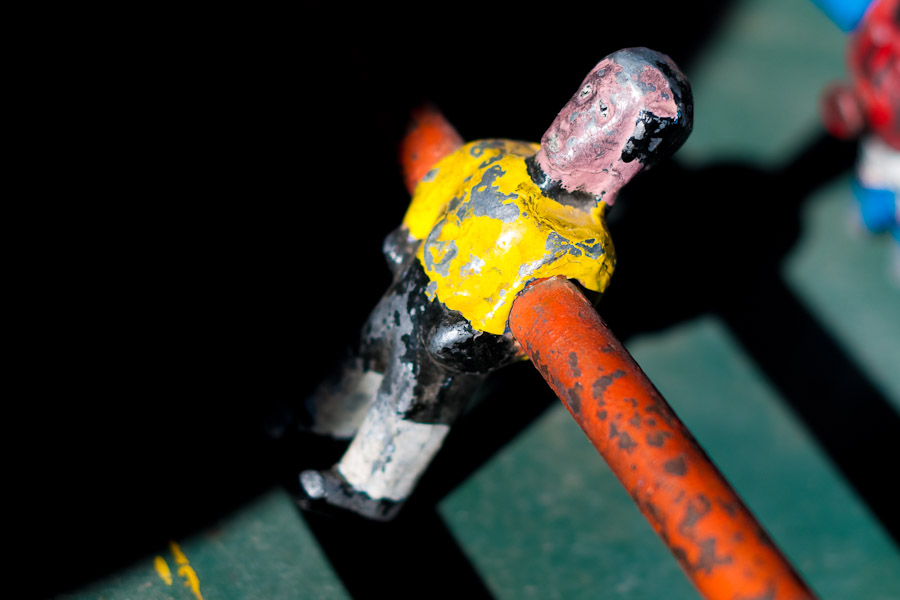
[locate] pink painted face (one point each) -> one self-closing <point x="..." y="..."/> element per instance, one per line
<point x="614" y="123"/>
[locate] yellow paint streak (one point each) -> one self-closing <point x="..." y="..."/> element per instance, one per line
<point x="180" y="558"/>
<point x="185" y="570"/>
<point x="495" y="258"/>
<point x="162" y="569"/>
<point x="191" y="580"/>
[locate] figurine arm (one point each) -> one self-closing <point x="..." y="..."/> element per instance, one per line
<point x="399" y="248"/>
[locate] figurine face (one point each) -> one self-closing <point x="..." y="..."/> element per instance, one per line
<point x="612" y="125"/>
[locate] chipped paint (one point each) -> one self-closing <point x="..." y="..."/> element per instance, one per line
<point x="186" y="571"/>
<point x="387" y="457"/>
<point x="180" y="557"/>
<point x="687" y="501"/>
<point x="530" y="211"/>
<point x="633" y="108"/>
<point x="426" y="361"/>
<point x="162" y="569"/>
<point x="484" y="221"/>
<point x="513" y="229"/>
<point x="191" y="580"/>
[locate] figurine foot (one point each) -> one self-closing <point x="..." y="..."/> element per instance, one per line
<point x="328" y="487"/>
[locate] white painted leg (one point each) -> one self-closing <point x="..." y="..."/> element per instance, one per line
<point x="389" y="454"/>
<point x="338" y="408"/>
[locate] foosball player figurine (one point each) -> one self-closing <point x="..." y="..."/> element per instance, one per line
<point x="487" y="219"/>
<point x="869" y="106"/>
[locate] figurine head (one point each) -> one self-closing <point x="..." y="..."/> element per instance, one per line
<point x="632" y="110"/>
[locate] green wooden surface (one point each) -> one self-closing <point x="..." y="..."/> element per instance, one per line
<point x="545" y="518"/>
<point x="757" y="85"/>
<point x="262" y="551"/>
<point x="860" y="311"/>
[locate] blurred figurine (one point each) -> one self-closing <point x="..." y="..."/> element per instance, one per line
<point x="869" y="106"/>
<point x="488" y="218"/>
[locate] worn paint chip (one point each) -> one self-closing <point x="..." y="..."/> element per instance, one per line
<point x="482" y="203"/>
<point x="185" y="570"/>
<point x="162" y="569"/>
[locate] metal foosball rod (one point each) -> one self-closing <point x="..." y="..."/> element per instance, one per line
<point x="717" y="541"/>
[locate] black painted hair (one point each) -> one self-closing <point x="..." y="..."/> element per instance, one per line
<point x="656" y="138"/>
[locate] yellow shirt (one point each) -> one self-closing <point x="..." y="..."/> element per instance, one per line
<point x="488" y="230"/>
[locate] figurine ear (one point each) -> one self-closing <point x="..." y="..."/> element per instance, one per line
<point x="841" y="112"/>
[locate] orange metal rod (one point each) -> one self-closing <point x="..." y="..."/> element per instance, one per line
<point x="715" y="538"/>
<point x="430" y="137"/>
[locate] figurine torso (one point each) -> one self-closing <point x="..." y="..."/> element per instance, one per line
<point x="488" y="230"/>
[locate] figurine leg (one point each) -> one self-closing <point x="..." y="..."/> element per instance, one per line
<point x="436" y="362"/>
<point x="397" y="440"/>
<point x="338" y="405"/>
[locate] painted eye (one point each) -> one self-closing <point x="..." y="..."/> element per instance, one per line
<point x="586" y="91"/>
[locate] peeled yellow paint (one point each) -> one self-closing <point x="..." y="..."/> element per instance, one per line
<point x="162" y="569"/>
<point x="477" y="263"/>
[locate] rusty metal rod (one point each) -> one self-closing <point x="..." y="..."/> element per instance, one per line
<point x="429" y="138"/>
<point x="717" y="541"/>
